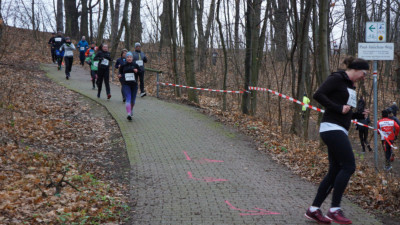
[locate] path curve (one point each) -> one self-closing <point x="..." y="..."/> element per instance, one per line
<point x="189" y="169"/>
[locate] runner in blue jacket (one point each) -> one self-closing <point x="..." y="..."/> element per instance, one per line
<point x="83" y="45"/>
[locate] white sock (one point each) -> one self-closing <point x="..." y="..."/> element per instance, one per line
<point x="313" y="208"/>
<point x="334" y="209"/>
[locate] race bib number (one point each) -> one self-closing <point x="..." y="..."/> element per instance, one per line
<point x="105" y="62"/>
<point x="58" y="39"/>
<point x="352" y="98"/>
<point x="69" y="53"/>
<point x="139" y="62"/>
<point x="130" y="77"/>
<point x="82" y="48"/>
<point x="96" y="64"/>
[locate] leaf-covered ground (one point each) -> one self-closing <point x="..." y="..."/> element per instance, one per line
<point x="62" y="157"/>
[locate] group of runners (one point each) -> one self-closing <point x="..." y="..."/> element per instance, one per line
<point x="130" y="66"/>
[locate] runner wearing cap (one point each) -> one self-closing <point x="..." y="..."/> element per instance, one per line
<point x="140" y="58"/>
<point x="338" y="96"/>
<point x="128" y="73"/>
<point x="68" y="48"/>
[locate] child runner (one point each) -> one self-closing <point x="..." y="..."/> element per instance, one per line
<point x="93" y="68"/>
<point x="338" y="96"/>
<point x="103" y="72"/>
<point x="68" y="48"/>
<point x="129" y="74"/>
<point x="121" y="61"/>
<point x="92" y="49"/>
<point x="389" y="132"/>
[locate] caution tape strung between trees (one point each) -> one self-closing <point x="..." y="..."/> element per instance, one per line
<point x="316" y="109"/>
<point x="200" y="89"/>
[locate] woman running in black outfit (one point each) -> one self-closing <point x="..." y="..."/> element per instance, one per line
<point x="338" y="96"/>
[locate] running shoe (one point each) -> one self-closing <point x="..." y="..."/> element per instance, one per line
<point x="317" y="216"/>
<point x="67" y="77"/>
<point x="108" y="96"/>
<point x="98" y="95"/>
<point x="338" y="217"/>
<point x="143" y="94"/>
<point x="123" y="100"/>
<point x="129" y="117"/>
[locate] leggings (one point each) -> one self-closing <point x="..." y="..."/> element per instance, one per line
<point x="130" y="92"/>
<point x="388" y="150"/>
<point x="363" y="134"/>
<point x="103" y="74"/>
<point x="82" y="57"/>
<point x="341" y="166"/>
<point x="122" y="88"/>
<point x="53" y="54"/>
<point x="141" y="79"/>
<point x="93" y="77"/>
<point x="68" y="64"/>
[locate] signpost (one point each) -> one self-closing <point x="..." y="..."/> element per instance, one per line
<point x="376" y="49"/>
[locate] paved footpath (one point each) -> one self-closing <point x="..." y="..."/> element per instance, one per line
<point x="189" y="169"/>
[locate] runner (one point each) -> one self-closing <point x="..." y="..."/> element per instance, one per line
<point x="389" y="132"/>
<point x="363" y="131"/>
<point x="52" y="48"/>
<point x="128" y="73"/>
<point x="68" y="48"/>
<point x="121" y="61"/>
<point x="103" y="72"/>
<point x="90" y="50"/>
<point x="58" y="42"/>
<point x="338" y="96"/>
<point x="140" y="58"/>
<point x="82" y="46"/>
<point x="93" y="68"/>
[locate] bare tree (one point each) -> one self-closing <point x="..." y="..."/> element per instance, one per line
<point x="173" y="32"/>
<point x="60" y="16"/>
<point x="165" y="24"/>
<point x="84" y="19"/>
<point x="186" y="20"/>
<point x="221" y="34"/>
<point x="136" y="24"/>
<point x="71" y="18"/>
<point x="323" y="59"/>
<point x="103" y="23"/>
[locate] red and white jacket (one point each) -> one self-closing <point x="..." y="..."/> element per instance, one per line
<point x="389" y="129"/>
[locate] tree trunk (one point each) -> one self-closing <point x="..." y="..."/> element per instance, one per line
<point x="71" y="19"/>
<point x="187" y="25"/>
<point x="102" y="24"/>
<point x="280" y="26"/>
<point x="173" y="32"/>
<point x="123" y="24"/>
<point x="237" y="21"/>
<point x="60" y="16"/>
<point x="221" y="34"/>
<point x="84" y="19"/>
<point x="323" y="41"/>
<point x="1" y="23"/>
<point x="166" y="24"/>
<point x="348" y="14"/>
<point x="203" y="37"/>
<point x="135" y="24"/>
<point x="247" y="61"/>
<point x="114" y="26"/>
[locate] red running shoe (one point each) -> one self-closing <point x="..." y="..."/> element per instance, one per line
<point x="317" y="216"/>
<point x="108" y="96"/>
<point x="338" y="217"/>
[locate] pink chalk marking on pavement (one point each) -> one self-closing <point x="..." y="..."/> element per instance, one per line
<point x="212" y="160"/>
<point x="187" y="156"/>
<point x="206" y="179"/>
<point x="251" y="212"/>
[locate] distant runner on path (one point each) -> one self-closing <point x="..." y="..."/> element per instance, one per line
<point x="52" y="48"/>
<point x="337" y="94"/>
<point x="69" y="49"/>
<point x="128" y="74"/>
<point x="103" y="72"/>
<point x="93" y="67"/>
<point x="58" y="42"/>
<point x="140" y="58"/>
<point x="121" y="61"/>
<point x="82" y="46"/>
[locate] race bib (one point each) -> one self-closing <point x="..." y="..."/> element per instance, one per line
<point x="104" y="62"/>
<point x="69" y="53"/>
<point x="82" y="48"/>
<point x="352" y="98"/>
<point x="58" y="39"/>
<point x="139" y="62"/>
<point x="130" y="77"/>
<point x="96" y="64"/>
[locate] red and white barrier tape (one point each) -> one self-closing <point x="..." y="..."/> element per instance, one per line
<point x="201" y="89"/>
<point x="316" y="109"/>
<point x="287" y="97"/>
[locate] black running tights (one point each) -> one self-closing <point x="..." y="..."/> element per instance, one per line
<point x="341" y="166"/>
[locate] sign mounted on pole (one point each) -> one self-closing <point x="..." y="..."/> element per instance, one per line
<point x="376" y="51"/>
<point x="375" y="32"/>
